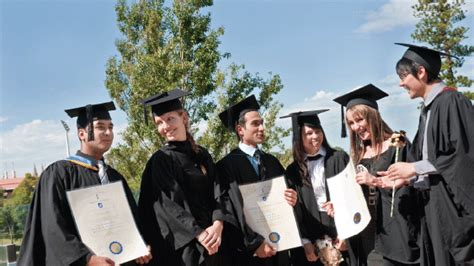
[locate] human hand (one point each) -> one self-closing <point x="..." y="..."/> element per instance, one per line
<point x="265" y="250"/>
<point x="291" y="196"/>
<point x="329" y="208"/>
<point x="213" y="239"/>
<point x="364" y="178"/>
<point x="144" y="259"/>
<point x="340" y="244"/>
<point x="399" y="171"/>
<point x="310" y="252"/>
<point x="389" y="184"/>
<point x="99" y="261"/>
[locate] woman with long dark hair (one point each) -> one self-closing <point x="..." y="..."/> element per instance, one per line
<point x="394" y="227"/>
<point x="178" y="206"/>
<point x="314" y="162"/>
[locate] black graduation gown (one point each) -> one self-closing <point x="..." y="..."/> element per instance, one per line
<point x="177" y="202"/>
<point x="311" y="224"/>
<point x="396" y="236"/>
<point x="51" y="237"/>
<point x="240" y="240"/>
<point x="449" y="204"/>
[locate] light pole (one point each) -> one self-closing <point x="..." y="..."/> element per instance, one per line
<point x="66" y="127"/>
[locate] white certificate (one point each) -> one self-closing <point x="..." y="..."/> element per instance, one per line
<point x="269" y="214"/>
<point x="105" y="222"/>
<point x="351" y="213"/>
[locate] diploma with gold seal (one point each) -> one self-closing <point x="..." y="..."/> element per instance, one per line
<point x="105" y="222"/>
<point x="269" y="214"/>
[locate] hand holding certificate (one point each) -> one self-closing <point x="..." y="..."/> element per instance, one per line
<point x="105" y="222"/>
<point x="269" y="214"/>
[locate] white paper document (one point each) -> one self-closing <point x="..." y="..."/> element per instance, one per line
<point x="105" y="222"/>
<point x="269" y="214"/>
<point x="351" y="213"/>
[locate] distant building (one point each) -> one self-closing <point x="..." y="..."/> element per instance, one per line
<point x="9" y="184"/>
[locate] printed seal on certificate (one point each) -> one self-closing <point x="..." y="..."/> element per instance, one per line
<point x="357" y="218"/>
<point x="115" y="247"/>
<point x="274" y="237"/>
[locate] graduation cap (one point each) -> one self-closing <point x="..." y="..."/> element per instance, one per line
<point x="307" y="118"/>
<point x="367" y="95"/>
<point x="86" y="115"/>
<point x="428" y="58"/>
<point x="232" y="114"/>
<point x="164" y="102"/>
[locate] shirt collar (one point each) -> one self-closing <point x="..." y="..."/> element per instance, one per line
<point x="437" y="89"/>
<point x="321" y="151"/>
<point x="250" y="150"/>
<point x="92" y="161"/>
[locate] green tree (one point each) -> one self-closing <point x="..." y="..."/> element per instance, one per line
<point x="234" y="85"/>
<point x="469" y="95"/>
<point x="24" y="192"/>
<point x="12" y="221"/>
<point x="169" y="46"/>
<point x="164" y="47"/>
<point x="437" y="28"/>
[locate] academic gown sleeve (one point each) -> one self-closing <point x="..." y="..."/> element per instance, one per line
<point x="451" y="151"/>
<point x="50" y="228"/>
<point x="159" y="195"/>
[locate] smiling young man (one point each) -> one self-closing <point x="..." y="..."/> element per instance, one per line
<point x="243" y="165"/>
<point x="51" y="237"/>
<point x="443" y="167"/>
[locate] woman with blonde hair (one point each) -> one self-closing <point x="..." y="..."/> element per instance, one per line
<point x="178" y="205"/>
<point x="394" y="227"/>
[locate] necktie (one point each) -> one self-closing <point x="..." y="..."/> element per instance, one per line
<point x="261" y="168"/>
<point x="421" y="129"/>
<point x="102" y="173"/>
<point x="314" y="158"/>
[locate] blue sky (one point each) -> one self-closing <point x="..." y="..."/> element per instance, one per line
<point x="53" y="56"/>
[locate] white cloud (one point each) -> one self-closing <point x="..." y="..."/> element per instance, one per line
<point x="3" y="119"/>
<point x="39" y="142"/>
<point x="393" y="14"/>
<point x="396" y="13"/>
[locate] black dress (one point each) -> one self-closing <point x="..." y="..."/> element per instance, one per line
<point x="177" y="202"/>
<point x="312" y="223"/>
<point x="240" y="241"/>
<point x="396" y="236"/>
<point x="51" y="237"/>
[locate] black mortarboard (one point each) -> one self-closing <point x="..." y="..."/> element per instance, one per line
<point x="429" y="58"/>
<point x="164" y="102"/>
<point x="89" y="113"/>
<point x="367" y="95"/>
<point x="232" y="114"/>
<point x="307" y="118"/>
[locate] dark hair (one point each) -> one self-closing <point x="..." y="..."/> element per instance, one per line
<point x="406" y="66"/>
<point x="241" y="121"/>
<point x="299" y="154"/>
